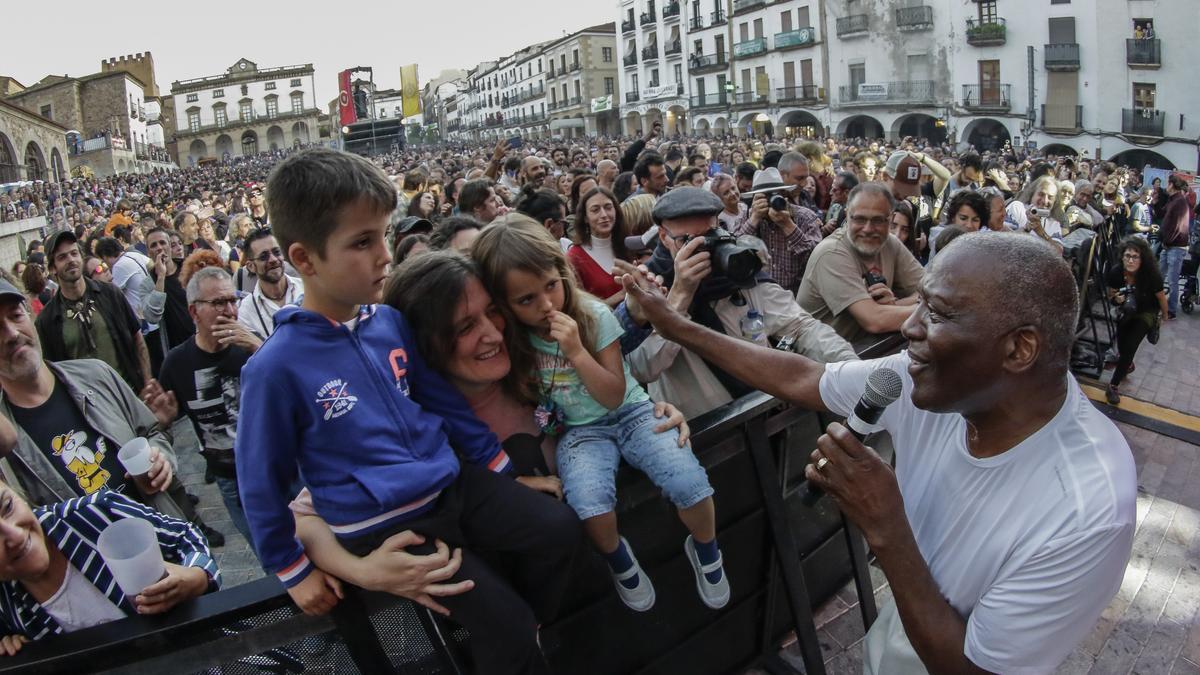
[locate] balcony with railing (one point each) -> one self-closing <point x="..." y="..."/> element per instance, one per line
<point x="888" y="93"/>
<point x="630" y="59"/>
<point x="627" y="26"/>
<point x="1062" y="117"/>
<point x="574" y="66"/>
<point x="646" y="19"/>
<point x="1062" y="56"/>
<point x="800" y="94"/>
<point x="716" y="18"/>
<point x="793" y="39"/>
<point x="1143" y="53"/>
<point x="990" y="98"/>
<point x="749" y="48"/>
<point x="1143" y="122"/>
<point x="632" y="97"/>
<point x="650" y="53"/>
<point x="914" y="18"/>
<point x="695" y="23"/>
<point x="703" y="63"/>
<point x="718" y="100"/>
<point x="751" y="98"/>
<point x="673" y="49"/>
<point x="671" y="11"/>
<point x="855" y="25"/>
<point x="551" y="74"/>
<point x="988" y="33"/>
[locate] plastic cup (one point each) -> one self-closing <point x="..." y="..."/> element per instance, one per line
<point x="130" y="548"/>
<point x="135" y="456"/>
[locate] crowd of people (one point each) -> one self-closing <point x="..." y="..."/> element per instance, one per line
<point x="543" y="310"/>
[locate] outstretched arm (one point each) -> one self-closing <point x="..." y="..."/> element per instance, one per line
<point x="786" y="375"/>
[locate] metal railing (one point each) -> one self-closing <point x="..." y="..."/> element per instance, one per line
<point x="710" y="101"/>
<point x="627" y="26"/>
<point x="750" y="98"/>
<point x="671" y="11"/>
<point x="1143" y="122"/>
<point x="650" y="53"/>
<point x="985" y="33"/>
<point x="674" y="48"/>
<point x="704" y="62"/>
<point x="853" y="25"/>
<point x="993" y="97"/>
<point x="575" y="65"/>
<point x="743" y="5"/>
<point x="716" y="18"/>
<point x="801" y="37"/>
<point x="1063" y="117"/>
<point x="696" y="23"/>
<point x="914" y="18"/>
<point x="805" y="92"/>
<point x="752" y="47"/>
<point x="1144" y="52"/>
<point x="1062" y="56"/>
<point x="646" y="19"/>
<point x="632" y="97"/>
<point x="905" y="91"/>
<point x="630" y="59"/>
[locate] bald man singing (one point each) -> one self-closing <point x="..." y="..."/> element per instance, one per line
<point x="1007" y="525"/>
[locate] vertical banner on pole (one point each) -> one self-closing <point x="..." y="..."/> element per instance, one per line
<point x="345" y="100"/>
<point x="410" y="98"/>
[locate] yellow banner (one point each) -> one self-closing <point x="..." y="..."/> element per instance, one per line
<point x="409" y="91"/>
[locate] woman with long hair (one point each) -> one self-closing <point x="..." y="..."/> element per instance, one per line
<point x="582" y="185"/>
<point x="1136" y="288"/>
<point x="902" y="227"/>
<point x="423" y="205"/>
<point x="599" y="243"/>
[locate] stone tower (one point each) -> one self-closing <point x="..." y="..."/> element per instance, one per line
<point x="139" y="65"/>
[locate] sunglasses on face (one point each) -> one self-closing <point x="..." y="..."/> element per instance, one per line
<point x="99" y="269"/>
<point x="268" y="254"/>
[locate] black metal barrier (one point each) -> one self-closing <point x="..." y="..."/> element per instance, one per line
<point x="783" y="559"/>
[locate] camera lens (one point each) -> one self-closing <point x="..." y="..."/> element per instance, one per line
<point x="778" y="202"/>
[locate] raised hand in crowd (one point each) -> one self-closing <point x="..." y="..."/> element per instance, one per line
<point x="160" y="402"/>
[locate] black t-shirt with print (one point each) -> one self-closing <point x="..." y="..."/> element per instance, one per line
<point x="87" y="460"/>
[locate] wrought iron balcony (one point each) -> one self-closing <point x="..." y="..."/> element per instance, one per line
<point x="1062" y="56"/>
<point x="807" y="92"/>
<point x="853" y="26"/>
<point x="695" y="23"/>
<point x="987" y="33"/>
<point x="574" y="66"/>
<point x="717" y="18"/>
<point x="1143" y="122"/>
<point x="744" y="98"/>
<point x="674" y="49"/>
<point x="1060" y="117"/>
<point x="749" y="48"/>
<point x="650" y="53"/>
<point x="740" y="6"/>
<point x="702" y="63"/>
<point x="630" y="59"/>
<point x="914" y="18"/>
<point x="646" y="19"/>
<point x="888" y="93"/>
<point x="994" y="98"/>
<point x="627" y="26"/>
<point x="801" y="37"/>
<point x="631" y="97"/>
<point x="671" y="11"/>
<point x="719" y="100"/>
<point x="1143" y="53"/>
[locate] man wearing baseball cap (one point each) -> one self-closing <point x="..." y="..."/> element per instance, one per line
<point x="902" y="175"/>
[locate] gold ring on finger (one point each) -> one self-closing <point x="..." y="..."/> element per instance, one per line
<point x="821" y="463"/>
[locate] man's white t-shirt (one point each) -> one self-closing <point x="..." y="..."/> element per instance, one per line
<point x="128" y="273"/>
<point x="1028" y="546"/>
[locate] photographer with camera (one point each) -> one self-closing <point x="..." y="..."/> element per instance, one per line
<point x="1136" y="288"/>
<point x="861" y="280"/>
<point x="720" y="284"/>
<point x="790" y="232"/>
<point x="1034" y="216"/>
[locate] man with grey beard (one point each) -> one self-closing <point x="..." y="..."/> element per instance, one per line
<point x="861" y="280"/>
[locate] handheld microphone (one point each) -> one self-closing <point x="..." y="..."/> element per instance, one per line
<point x="884" y="386"/>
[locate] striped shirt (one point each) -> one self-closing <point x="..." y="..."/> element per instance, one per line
<point x="74" y="526"/>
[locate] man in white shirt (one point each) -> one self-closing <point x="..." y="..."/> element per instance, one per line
<point x="1006" y="529"/>
<point x="129" y="270"/>
<point x="274" y="289"/>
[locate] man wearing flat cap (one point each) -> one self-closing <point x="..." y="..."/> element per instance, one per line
<point x="756" y="310"/>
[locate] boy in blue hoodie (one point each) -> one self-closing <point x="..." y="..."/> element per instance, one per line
<point x="339" y="399"/>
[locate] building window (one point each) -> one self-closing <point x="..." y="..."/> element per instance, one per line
<point x="269" y="86"/>
<point x="218" y="93"/>
<point x="194" y="120"/>
<point x="192" y="98"/>
<point x="297" y="102"/>
<point x="606" y="54"/>
<point x="47" y="112"/>
<point x="987" y="11"/>
<point x="221" y="116"/>
<point x="272" y="107"/>
<point x="608" y="86"/>
<point x="245" y="111"/>
<point x="295" y="83"/>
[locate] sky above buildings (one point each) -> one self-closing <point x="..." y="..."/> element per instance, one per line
<point x="198" y="39"/>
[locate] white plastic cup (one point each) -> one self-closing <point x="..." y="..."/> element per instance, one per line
<point x="135" y="456"/>
<point x="130" y="549"/>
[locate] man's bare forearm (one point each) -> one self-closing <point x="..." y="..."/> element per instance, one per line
<point x="143" y="353"/>
<point x="787" y="375"/>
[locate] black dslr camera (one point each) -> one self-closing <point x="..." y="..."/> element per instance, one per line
<point x="779" y="203"/>
<point x="740" y="264"/>
<point x="871" y="278"/>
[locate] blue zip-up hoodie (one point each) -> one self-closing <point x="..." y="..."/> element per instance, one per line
<point x="361" y="417"/>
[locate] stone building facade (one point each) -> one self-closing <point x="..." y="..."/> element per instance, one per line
<point x="244" y="111"/>
<point x="31" y="147"/>
<point x="581" y="86"/>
